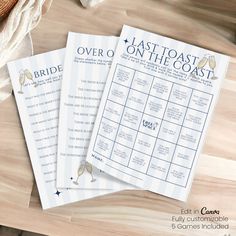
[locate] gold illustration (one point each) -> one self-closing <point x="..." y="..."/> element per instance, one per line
<point x="202" y="62"/>
<point x="211" y="62"/>
<point x="84" y="165"/>
<point x="212" y="65"/>
<point x="24" y="75"/>
<point x="22" y="82"/>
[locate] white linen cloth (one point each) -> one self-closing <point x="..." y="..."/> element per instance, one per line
<point x="90" y="3"/>
<point x="22" y="19"/>
<point x="13" y="30"/>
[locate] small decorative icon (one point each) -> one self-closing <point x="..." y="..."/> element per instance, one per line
<point x="24" y="75"/>
<point x="202" y="62"/>
<point x="58" y="193"/>
<point x="22" y="82"/>
<point x="211" y="62"/>
<point x="212" y="65"/>
<point x="84" y="165"/>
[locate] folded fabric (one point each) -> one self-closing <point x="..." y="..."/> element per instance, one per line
<point x="90" y="3"/>
<point x="22" y="19"/>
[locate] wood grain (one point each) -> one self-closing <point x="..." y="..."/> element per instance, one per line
<point x="129" y="212"/>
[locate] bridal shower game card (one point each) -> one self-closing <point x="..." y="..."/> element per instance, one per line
<point x="155" y="110"/>
<point x="87" y="63"/>
<point x="37" y="83"/>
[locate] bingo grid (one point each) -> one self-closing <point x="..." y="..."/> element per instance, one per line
<point x="152" y="125"/>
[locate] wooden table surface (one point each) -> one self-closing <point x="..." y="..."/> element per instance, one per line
<point x="128" y="212"/>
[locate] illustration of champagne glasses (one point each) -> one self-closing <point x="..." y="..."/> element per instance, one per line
<point x="212" y="65"/>
<point x="29" y="76"/>
<point x="24" y="75"/>
<point x="89" y="168"/>
<point x="21" y="81"/>
<point x="80" y="171"/>
<point x="201" y="63"/>
<point x="84" y="165"/>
